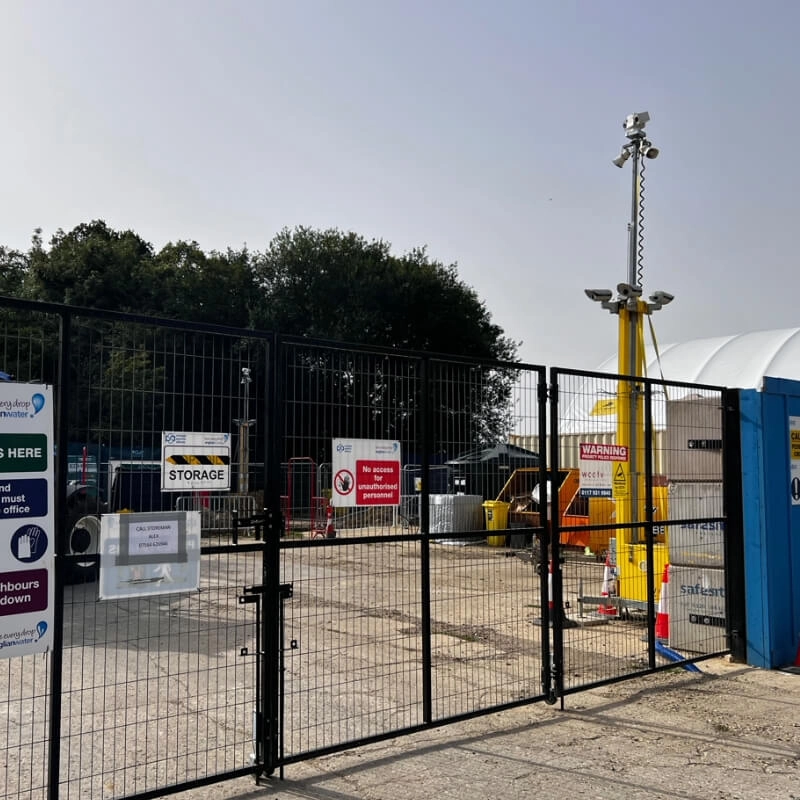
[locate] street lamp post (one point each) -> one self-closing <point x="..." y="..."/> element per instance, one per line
<point x="631" y="310"/>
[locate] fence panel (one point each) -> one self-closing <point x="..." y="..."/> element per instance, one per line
<point x="28" y="354"/>
<point x="407" y="618"/>
<point x="414" y="564"/>
<point x="640" y="534"/>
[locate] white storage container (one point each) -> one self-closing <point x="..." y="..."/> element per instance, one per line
<point x="699" y="544"/>
<point x="696" y="604"/>
<point x="694" y="439"/>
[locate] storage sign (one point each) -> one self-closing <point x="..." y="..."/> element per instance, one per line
<point x="27" y="524"/>
<point x="366" y="472"/>
<point x="601" y="466"/>
<point x="195" y="461"/>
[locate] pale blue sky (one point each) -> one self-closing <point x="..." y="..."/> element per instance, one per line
<point x="484" y="130"/>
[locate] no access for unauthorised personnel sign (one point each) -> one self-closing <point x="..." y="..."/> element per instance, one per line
<point x="366" y="472"/>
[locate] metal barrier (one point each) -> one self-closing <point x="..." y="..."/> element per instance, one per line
<point x="217" y="510"/>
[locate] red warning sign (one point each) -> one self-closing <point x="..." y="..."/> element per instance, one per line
<point x="377" y="483"/>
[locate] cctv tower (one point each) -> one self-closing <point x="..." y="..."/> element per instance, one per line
<point x="630" y="490"/>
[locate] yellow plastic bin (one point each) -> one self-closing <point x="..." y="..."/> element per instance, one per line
<point x="496" y="512"/>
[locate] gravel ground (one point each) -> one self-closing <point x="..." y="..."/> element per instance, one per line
<point x="730" y="733"/>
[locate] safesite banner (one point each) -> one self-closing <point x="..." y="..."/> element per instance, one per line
<point x="27" y="521"/>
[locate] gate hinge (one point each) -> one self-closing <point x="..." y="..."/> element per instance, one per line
<point x="286" y="591"/>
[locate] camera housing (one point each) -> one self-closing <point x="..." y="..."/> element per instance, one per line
<point x="634" y="123"/>
<point x="598" y="295"/>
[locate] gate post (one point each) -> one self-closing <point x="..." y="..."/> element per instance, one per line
<point x="272" y="702"/>
<point x="425" y="542"/>
<point x="736" y="611"/>
<point x="555" y="668"/>
<point x="56" y="661"/>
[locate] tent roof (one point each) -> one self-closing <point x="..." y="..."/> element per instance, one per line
<point x="499" y="451"/>
<point x="740" y="361"/>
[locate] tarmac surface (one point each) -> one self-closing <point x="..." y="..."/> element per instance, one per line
<point x="730" y="733"/>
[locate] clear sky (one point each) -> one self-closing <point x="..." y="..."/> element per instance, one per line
<point x="484" y="130"/>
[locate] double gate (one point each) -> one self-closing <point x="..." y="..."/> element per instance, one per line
<point x="300" y="642"/>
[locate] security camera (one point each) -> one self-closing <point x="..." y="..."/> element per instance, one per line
<point x="634" y="123"/>
<point x="598" y="295"/>
<point x="648" y="151"/>
<point x="621" y="158"/>
<point x="661" y="298"/>
<point x="626" y="291"/>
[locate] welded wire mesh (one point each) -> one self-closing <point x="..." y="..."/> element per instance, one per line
<point x="28" y="354"/>
<point x="156" y="691"/>
<point x="420" y="596"/>
<point x="648" y="458"/>
<point x="408" y="616"/>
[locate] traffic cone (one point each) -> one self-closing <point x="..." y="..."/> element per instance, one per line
<point x="608" y="590"/>
<point x="662" y="617"/>
<point x="330" y="528"/>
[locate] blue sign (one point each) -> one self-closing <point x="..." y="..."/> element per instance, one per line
<point x="23" y="497"/>
<point x="29" y="543"/>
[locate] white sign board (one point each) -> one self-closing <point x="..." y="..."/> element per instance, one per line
<point x="195" y="461"/>
<point x="366" y="472"/>
<point x="599" y="465"/>
<point x="794" y="460"/>
<point x="151" y="553"/>
<point x="27" y="523"/>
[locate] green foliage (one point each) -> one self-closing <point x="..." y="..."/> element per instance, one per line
<point x="339" y="286"/>
<point x="92" y="266"/>
<point x="324" y="284"/>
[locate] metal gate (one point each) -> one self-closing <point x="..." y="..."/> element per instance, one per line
<point x="498" y="575"/>
<point x="145" y="695"/>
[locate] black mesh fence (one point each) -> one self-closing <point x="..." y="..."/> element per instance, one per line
<point x="403" y="540"/>
<point x="641" y="525"/>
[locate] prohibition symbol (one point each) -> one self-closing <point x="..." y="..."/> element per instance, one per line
<point x="796" y="489"/>
<point x="344" y="481"/>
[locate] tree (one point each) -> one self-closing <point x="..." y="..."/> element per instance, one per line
<point x="340" y="286"/>
<point x="93" y="266"/>
<point x="214" y="287"/>
<point x="336" y="285"/>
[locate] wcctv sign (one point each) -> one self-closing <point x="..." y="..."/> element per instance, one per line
<point x="598" y="465"/>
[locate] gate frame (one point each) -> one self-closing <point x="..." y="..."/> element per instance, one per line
<point x="732" y="518"/>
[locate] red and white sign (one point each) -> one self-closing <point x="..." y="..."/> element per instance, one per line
<point x="597" y="467"/>
<point x="366" y="472"/>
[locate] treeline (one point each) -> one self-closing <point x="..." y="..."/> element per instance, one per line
<point x="307" y="282"/>
<point x="132" y="382"/>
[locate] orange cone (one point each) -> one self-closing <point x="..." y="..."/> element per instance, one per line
<point x="330" y="528"/>
<point x="608" y="589"/>
<point x="662" y="617"/>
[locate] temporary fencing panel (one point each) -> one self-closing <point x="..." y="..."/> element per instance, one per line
<point x="385" y="560"/>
